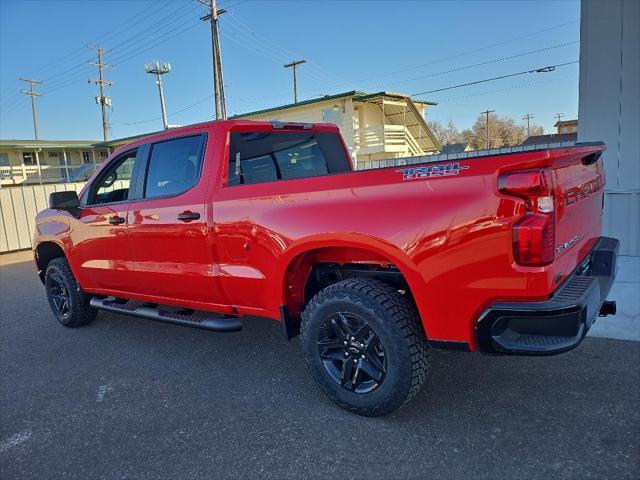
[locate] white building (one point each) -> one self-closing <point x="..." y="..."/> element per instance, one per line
<point x="609" y="108"/>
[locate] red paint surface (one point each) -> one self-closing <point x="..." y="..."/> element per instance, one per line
<point x="252" y="248"/>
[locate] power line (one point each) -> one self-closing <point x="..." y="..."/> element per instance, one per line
<point x="458" y="55"/>
<point x="512" y="87"/>
<point x="75" y="73"/>
<point x="154" y="26"/>
<point x="281" y="52"/>
<point x="111" y="32"/>
<point x="69" y="72"/>
<point x="546" y="69"/>
<point x="154" y="42"/>
<point x="202" y="100"/>
<point x="7" y="113"/>
<point x="165" y="37"/>
<point x="480" y="64"/>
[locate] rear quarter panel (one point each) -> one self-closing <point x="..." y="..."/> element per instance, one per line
<point x="449" y="235"/>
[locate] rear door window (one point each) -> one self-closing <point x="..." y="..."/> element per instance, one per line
<point x="258" y="157"/>
<point x="174" y="166"/>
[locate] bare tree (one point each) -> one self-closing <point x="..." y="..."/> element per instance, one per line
<point x="446" y="135"/>
<point x="503" y="131"/>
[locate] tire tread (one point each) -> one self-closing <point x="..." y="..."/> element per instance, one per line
<point x="83" y="313"/>
<point x="399" y="309"/>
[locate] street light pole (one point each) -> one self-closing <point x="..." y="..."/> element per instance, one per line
<point x="159" y="70"/>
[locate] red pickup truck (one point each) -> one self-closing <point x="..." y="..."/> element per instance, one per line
<point x="213" y="223"/>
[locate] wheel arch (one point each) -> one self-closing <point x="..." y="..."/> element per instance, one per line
<point x="46" y="251"/>
<point x="301" y="258"/>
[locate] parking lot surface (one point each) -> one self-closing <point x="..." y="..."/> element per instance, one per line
<point x="130" y="398"/>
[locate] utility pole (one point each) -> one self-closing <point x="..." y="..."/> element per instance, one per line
<point x="294" y="65"/>
<point x="33" y="94"/>
<point x="559" y="116"/>
<point x="218" y="78"/>
<point x="102" y="100"/>
<point x="159" y="70"/>
<point x="487" y="112"/>
<point x="528" y="118"/>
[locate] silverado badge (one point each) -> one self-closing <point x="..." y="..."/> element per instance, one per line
<point x="442" y="170"/>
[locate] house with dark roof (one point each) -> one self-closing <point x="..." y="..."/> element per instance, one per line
<point x="551" y="138"/>
<point x="567" y="126"/>
<point x="451" y="148"/>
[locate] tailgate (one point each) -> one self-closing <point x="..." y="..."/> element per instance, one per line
<point x="578" y="179"/>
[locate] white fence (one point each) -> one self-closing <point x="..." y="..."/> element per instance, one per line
<point x="18" y="209"/>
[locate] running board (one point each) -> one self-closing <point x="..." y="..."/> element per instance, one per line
<point x="175" y="315"/>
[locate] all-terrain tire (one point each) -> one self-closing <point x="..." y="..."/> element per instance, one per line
<point x="394" y="319"/>
<point x="59" y="281"/>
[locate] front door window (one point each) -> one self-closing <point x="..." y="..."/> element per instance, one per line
<point x="113" y="185"/>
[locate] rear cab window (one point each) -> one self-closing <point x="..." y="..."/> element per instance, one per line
<point x="259" y="157"/>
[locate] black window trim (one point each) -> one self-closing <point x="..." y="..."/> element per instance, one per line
<point x="133" y="181"/>
<point x="140" y="189"/>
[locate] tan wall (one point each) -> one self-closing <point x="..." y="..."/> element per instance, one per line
<point x="369" y="115"/>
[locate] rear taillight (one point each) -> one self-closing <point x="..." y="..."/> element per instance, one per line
<point x="534" y="234"/>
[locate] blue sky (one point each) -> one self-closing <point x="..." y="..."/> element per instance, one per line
<point x="406" y="46"/>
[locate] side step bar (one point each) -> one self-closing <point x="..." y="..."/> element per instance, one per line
<point x="175" y="315"/>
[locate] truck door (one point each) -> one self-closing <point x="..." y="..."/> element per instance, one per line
<point x="100" y="247"/>
<point x="168" y="230"/>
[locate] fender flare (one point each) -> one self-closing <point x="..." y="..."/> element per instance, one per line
<point x="382" y="248"/>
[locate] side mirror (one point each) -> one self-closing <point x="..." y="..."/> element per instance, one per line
<point x="64" y="200"/>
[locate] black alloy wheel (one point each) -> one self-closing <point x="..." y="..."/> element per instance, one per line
<point x="351" y="352"/>
<point x="68" y="302"/>
<point x="59" y="294"/>
<point x="364" y="344"/>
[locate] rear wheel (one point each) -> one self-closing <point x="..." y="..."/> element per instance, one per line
<point x="68" y="302"/>
<point x="364" y="346"/>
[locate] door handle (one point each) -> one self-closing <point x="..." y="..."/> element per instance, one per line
<point x="188" y="216"/>
<point x="116" y="220"/>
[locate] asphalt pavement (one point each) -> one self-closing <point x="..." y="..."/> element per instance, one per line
<point x="131" y="398"/>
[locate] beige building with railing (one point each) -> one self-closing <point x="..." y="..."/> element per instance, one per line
<point x="29" y="162"/>
<point x="375" y="126"/>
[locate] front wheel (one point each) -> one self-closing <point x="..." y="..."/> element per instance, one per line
<point x="68" y="302"/>
<point x="363" y="344"/>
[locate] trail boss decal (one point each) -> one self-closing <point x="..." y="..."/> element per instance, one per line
<point x="443" y="170"/>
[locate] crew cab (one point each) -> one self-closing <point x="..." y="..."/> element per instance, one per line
<point x="212" y="224"/>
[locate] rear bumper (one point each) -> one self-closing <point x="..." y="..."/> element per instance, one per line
<point x="560" y="323"/>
